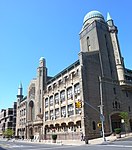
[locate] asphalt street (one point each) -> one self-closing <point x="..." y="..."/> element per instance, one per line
<point x="124" y="144"/>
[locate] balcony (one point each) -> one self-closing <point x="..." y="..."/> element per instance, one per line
<point x="126" y="85"/>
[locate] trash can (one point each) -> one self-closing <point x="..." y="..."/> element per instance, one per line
<point x="86" y="140"/>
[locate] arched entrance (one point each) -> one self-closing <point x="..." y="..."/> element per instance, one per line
<point x="115" y="121"/>
<point x="31" y="110"/>
<point x="31" y="133"/>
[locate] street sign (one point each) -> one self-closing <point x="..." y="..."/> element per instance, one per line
<point x="102" y="117"/>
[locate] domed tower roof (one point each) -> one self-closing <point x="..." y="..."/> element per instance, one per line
<point x="91" y="16"/>
<point x="41" y="59"/>
<point x="42" y="62"/>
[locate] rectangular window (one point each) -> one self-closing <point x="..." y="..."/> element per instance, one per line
<point x="51" y="115"/>
<point x="129" y="108"/>
<point x="57" y="98"/>
<point x="46" y="115"/>
<point x="114" y="89"/>
<point x="51" y="101"/>
<point x="70" y="110"/>
<point x="77" y="89"/>
<point x="69" y="93"/>
<point x="62" y="96"/>
<point x="126" y="94"/>
<point x="63" y="111"/>
<point x="46" y="102"/>
<point x="57" y="113"/>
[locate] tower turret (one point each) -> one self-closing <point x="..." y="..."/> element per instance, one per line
<point x="109" y="20"/>
<point x="116" y="49"/>
<point x="20" y="93"/>
<point x="40" y="84"/>
<point x="20" y="89"/>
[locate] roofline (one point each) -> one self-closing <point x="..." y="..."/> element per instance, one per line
<point x="76" y="63"/>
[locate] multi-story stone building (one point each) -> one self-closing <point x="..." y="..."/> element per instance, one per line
<point x="8" y="119"/>
<point x="21" y="114"/>
<point x="97" y="79"/>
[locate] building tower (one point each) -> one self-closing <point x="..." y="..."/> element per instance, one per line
<point x="96" y="37"/>
<point x="99" y="57"/>
<point x="19" y="94"/>
<point x="40" y="84"/>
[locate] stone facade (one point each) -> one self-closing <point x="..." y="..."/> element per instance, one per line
<point x="51" y="101"/>
<point x="21" y="118"/>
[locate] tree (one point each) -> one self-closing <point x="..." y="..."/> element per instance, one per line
<point x="8" y="133"/>
<point x="124" y="116"/>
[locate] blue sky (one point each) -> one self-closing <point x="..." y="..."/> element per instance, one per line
<point x="30" y="29"/>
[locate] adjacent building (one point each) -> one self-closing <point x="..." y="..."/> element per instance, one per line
<point x="8" y="119"/>
<point x="70" y="103"/>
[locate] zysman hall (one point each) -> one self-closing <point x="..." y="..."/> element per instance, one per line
<point x="92" y="91"/>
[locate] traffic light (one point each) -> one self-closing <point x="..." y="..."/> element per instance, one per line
<point x="78" y="104"/>
<point x="99" y="125"/>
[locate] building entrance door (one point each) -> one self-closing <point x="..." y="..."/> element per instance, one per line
<point x="115" y="121"/>
<point x="31" y="133"/>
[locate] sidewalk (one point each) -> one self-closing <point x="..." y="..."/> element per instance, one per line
<point x="78" y="142"/>
<point x="109" y="139"/>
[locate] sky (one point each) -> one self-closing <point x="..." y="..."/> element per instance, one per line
<point x="30" y="29"/>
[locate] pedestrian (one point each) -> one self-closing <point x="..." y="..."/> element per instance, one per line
<point x="81" y="136"/>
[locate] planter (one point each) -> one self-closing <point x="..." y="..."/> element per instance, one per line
<point x="118" y="132"/>
<point x="54" y="137"/>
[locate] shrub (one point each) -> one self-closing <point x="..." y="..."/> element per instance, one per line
<point x="54" y="136"/>
<point x="8" y="133"/>
<point x="117" y="130"/>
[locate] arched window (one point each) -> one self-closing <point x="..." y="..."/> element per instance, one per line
<point x="116" y="105"/>
<point x="88" y="43"/>
<point x="94" y="125"/>
<point x="31" y="108"/>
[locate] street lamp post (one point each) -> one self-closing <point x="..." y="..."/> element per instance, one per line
<point x="123" y="125"/>
<point x="101" y="109"/>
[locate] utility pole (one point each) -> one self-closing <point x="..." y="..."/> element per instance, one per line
<point x="101" y="108"/>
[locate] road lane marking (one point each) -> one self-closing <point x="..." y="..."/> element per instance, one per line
<point x="127" y="146"/>
<point x="55" y="147"/>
